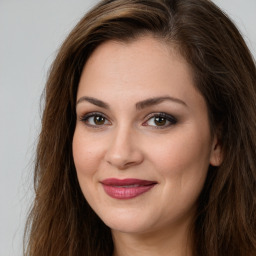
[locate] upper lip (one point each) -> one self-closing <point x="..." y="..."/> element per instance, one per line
<point x="127" y="182"/>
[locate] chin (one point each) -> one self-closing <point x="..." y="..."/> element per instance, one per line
<point x="125" y="222"/>
<point x="129" y="227"/>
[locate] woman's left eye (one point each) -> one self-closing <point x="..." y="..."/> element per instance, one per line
<point x="160" y="120"/>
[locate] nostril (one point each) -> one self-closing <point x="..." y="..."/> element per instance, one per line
<point x="123" y="150"/>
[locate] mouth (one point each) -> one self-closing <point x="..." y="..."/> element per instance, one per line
<point x="126" y="188"/>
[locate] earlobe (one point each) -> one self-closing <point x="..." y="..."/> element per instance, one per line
<point x="216" y="157"/>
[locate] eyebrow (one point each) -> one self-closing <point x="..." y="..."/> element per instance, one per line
<point x="157" y="100"/>
<point x="139" y="105"/>
<point x="94" y="101"/>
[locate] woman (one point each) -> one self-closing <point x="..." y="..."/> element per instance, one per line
<point x="148" y="136"/>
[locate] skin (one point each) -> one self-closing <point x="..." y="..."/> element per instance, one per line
<point x="129" y="143"/>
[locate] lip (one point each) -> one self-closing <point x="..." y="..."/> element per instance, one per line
<point x="126" y="188"/>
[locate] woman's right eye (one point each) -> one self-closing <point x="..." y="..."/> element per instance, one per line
<point x="95" y="120"/>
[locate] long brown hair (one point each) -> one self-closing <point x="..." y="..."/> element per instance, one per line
<point x="61" y="222"/>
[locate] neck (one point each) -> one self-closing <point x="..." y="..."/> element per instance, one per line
<point x="175" y="243"/>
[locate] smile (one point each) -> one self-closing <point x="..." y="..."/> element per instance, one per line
<point x="127" y="188"/>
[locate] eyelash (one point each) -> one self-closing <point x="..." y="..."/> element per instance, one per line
<point x="166" y="117"/>
<point x="171" y="120"/>
<point x="86" y="117"/>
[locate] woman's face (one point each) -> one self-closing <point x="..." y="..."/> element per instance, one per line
<point x="142" y="143"/>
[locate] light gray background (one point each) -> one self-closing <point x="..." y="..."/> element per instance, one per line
<point x="30" y="34"/>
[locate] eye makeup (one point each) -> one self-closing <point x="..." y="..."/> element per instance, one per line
<point x="158" y="120"/>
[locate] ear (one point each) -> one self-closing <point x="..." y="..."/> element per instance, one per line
<point x="216" y="156"/>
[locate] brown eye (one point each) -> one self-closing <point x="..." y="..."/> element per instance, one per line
<point x="160" y="121"/>
<point x="95" y="119"/>
<point x="99" y="120"/>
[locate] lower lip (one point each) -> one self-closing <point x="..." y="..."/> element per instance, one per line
<point x="126" y="192"/>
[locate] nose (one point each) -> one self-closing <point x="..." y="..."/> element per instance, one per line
<point x="124" y="150"/>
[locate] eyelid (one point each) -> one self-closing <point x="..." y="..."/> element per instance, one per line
<point x="83" y="118"/>
<point x="170" y="118"/>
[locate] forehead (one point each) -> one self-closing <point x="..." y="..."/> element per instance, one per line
<point x="147" y="46"/>
<point x="142" y="63"/>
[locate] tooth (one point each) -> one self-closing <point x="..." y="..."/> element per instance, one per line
<point x="128" y="186"/>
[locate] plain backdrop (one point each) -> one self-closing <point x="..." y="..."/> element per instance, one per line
<point x="30" y="35"/>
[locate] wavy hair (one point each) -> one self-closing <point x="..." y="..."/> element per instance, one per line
<point x="61" y="222"/>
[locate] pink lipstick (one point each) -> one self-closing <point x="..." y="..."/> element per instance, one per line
<point x="126" y="188"/>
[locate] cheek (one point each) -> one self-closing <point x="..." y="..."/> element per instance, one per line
<point x="87" y="158"/>
<point x="182" y="163"/>
<point x="86" y="154"/>
<point x="183" y="159"/>
<point x="181" y="150"/>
